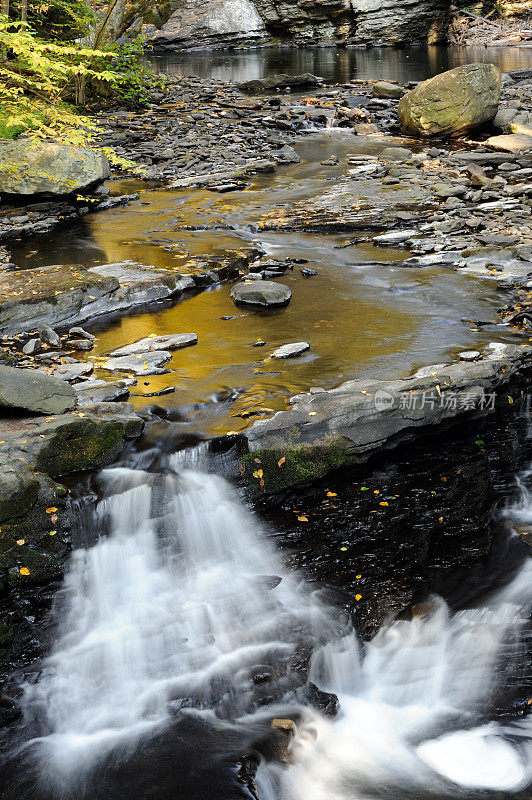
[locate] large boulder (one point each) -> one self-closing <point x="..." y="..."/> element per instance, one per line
<point x="208" y="23"/>
<point x="261" y="293"/>
<point x="453" y="102"/>
<point x="46" y="168"/>
<point x="30" y="390"/>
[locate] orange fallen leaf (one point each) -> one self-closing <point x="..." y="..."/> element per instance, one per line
<point x="24" y="571"/>
<point x="51" y="510"/>
<point x="302" y="519"/>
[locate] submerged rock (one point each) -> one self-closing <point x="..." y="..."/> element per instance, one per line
<point x="48" y="168"/>
<point x="31" y="390"/>
<point x="453" y="102"/>
<point x="261" y="293"/>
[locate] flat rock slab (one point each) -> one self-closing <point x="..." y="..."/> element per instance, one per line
<point x="62" y="296"/>
<point x="140" y="364"/>
<point x="511" y="143"/>
<point x="291" y="350"/>
<point x="326" y="430"/>
<point x="31" y="390"/>
<point x="350" y="206"/>
<point x="108" y="393"/>
<point x="263" y="294"/>
<point x="73" y="372"/>
<point x="174" y="341"/>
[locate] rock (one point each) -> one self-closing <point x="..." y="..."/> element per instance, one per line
<point x="290" y="350"/>
<point x="32" y="347"/>
<point x="108" y="393"/>
<point x="470" y="355"/>
<point x="308" y="272"/>
<point x="386" y="89"/>
<point x="329" y="430"/>
<point x="210" y="23"/>
<point x="81" y="333"/>
<point x="395" y="154"/>
<point x="73" y="372"/>
<point x="46" y="168"/>
<point x="511" y="143"/>
<point x="503" y="119"/>
<point x="80" y="344"/>
<point x="261" y="293"/>
<point x="478" y="176"/>
<point x="304" y="81"/>
<point x="394" y="237"/>
<point x="446" y="190"/>
<point x="173" y="341"/>
<point x="63" y="295"/>
<point x="49" y="336"/>
<point x="453" y="102"/>
<point x="287" y="155"/>
<point x="33" y="391"/>
<point x="142" y="364"/>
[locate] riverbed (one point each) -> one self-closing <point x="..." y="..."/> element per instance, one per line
<point x="366" y="636"/>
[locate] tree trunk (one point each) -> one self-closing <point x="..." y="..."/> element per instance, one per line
<point x="24" y="10"/>
<point x="108" y="31"/>
<point x="5" y="8"/>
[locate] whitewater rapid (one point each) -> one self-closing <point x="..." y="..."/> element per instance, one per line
<point x="186" y="598"/>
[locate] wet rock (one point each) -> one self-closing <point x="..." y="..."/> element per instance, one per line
<point x="150" y="363"/>
<point x="478" y="176"/>
<point x="325" y="431"/>
<point x="395" y="154"/>
<point x="282" y="81"/>
<point x="511" y="142"/>
<point x="81" y="333"/>
<point x="326" y="702"/>
<point x="149" y="344"/>
<point x="46" y="168"/>
<point x="32" y="347"/>
<point x="453" y="102"/>
<point x="49" y="336"/>
<point x="394" y="238"/>
<point x="261" y="293"/>
<point x="291" y="350"/>
<point x="73" y="372"/>
<point x="30" y="390"/>
<point x="387" y="89"/>
<point x="108" y="393"/>
<point x="470" y="355"/>
<point x="308" y="272"/>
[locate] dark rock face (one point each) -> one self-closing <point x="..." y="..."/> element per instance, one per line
<point x="207" y="23"/>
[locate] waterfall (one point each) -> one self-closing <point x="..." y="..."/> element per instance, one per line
<point x="185" y="602"/>
<point x="179" y="604"/>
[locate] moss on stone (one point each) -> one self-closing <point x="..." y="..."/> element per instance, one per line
<point x="270" y="471"/>
<point x="86" y="445"/>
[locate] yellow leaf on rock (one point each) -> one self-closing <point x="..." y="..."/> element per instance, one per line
<point x="281" y="461"/>
<point x="332" y="494"/>
<point x="51" y="510"/>
<point x="20" y="542"/>
<point x="358" y="597"/>
<point x="24" y="571"/>
<point x="302" y="519"/>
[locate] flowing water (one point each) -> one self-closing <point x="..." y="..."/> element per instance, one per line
<point x="184" y="609"/>
<point x="180" y="631"/>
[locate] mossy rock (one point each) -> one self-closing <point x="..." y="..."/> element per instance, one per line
<point x="453" y="102"/>
<point x="271" y="471"/>
<point x="82" y="444"/>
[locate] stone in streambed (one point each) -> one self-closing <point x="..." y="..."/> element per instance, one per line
<point x="73" y="372"/>
<point x="47" y="168"/>
<point x="33" y="391"/>
<point x="291" y="350"/>
<point x="141" y="364"/>
<point x="511" y="143"/>
<point x="453" y="102"/>
<point x="149" y="344"/>
<point x="261" y="293"/>
<point x="282" y="81"/>
<point x="108" y="393"/>
<point x="387" y="90"/>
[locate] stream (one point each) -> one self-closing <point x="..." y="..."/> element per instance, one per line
<point x="188" y="620"/>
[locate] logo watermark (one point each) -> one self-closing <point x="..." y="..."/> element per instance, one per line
<point x="449" y="400"/>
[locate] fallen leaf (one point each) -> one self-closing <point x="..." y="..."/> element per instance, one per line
<point x="51" y="510"/>
<point x="281" y="461"/>
<point x="24" y="571"/>
<point x="302" y="519"/>
<point x="20" y="542"/>
<point x="332" y="494"/>
<point x="358" y="597"/>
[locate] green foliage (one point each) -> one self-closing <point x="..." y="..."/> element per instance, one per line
<point x="135" y="78"/>
<point x="57" y="19"/>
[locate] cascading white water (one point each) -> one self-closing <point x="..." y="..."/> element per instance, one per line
<point x="176" y="603"/>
